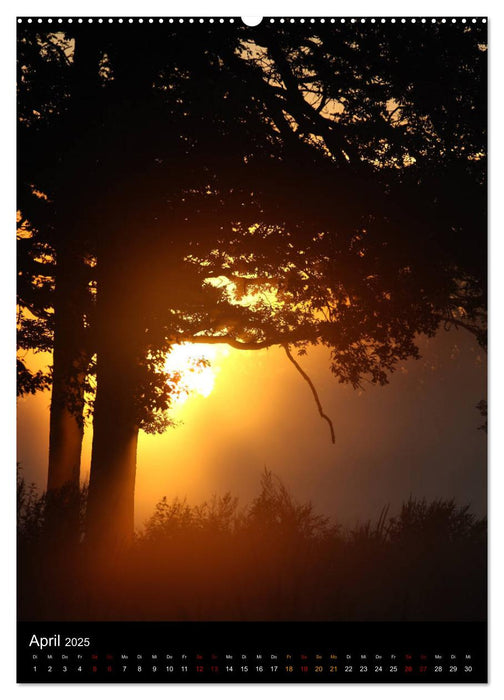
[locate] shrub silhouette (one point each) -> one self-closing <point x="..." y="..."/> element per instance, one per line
<point x="274" y="558"/>
<point x="275" y="511"/>
<point x="30" y="509"/>
<point x="272" y="511"/>
<point x="435" y="521"/>
<point x="220" y="514"/>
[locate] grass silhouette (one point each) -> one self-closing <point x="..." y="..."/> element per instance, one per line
<point x="274" y="559"/>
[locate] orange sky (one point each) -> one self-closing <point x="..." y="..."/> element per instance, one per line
<point x="416" y="436"/>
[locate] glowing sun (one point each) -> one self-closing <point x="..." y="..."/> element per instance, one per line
<point x="197" y="366"/>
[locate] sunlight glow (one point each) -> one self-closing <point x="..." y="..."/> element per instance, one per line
<point x="198" y="366"/>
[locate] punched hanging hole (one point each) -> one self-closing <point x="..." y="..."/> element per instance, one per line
<point x="251" y="21"/>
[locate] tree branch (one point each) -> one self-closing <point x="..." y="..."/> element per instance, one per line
<point x="227" y="340"/>
<point x="474" y="329"/>
<point x="330" y="131"/>
<point x="280" y="339"/>
<point x="314" y="391"/>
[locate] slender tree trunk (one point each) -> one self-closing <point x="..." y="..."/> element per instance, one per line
<point x="70" y="357"/>
<point x="66" y="428"/>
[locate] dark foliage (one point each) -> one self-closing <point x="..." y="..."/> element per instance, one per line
<point x="30" y="510"/>
<point x="29" y="382"/>
<point x="482" y="407"/>
<point x="273" y="559"/>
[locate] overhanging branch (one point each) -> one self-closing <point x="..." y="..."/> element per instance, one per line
<point x="226" y="340"/>
<point x="451" y="320"/>
<point x="279" y="339"/>
<point x="313" y="390"/>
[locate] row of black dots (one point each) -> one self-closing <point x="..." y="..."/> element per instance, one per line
<point x="230" y="20"/>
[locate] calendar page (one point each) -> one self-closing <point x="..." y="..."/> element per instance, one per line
<point x="252" y="294"/>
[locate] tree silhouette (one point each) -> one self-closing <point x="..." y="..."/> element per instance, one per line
<point x="269" y="186"/>
<point x="56" y="86"/>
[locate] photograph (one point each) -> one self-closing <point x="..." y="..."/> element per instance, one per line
<point x="252" y="331"/>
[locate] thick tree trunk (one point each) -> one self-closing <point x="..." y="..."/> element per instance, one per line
<point x="119" y="310"/>
<point x="110" y="509"/>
